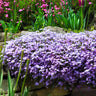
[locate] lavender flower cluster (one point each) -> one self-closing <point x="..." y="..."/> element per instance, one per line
<point x="57" y="59"/>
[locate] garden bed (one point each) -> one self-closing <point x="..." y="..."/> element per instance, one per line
<point x="83" y="42"/>
<point x="52" y="62"/>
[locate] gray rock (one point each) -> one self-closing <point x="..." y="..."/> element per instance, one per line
<point x="1" y="43"/>
<point x="85" y="91"/>
<point x="2" y="34"/>
<point x="4" y="86"/>
<point x="52" y="92"/>
<point x="55" y="29"/>
<point x="24" y="33"/>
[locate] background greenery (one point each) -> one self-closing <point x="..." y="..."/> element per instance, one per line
<point x="29" y="14"/>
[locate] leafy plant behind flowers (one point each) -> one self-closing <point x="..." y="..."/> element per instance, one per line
<point x="88" y="8"/>
<point x="26" y="9"/>
<point x="72" y="21"/>
<point x="40" y="21"/>
<point x="10" y="28"/>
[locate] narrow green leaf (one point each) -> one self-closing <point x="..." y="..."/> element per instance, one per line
<point x="24" y="77"/>
<point x="22" y="53"/>
<point x="3" y="24"/>
<point x="25" y="92"/>
<point x="1" y="76"/>
<point x="10" y="86"/>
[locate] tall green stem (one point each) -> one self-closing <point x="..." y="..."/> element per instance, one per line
<point x="82" y="23"/>
<point x="25" y="77"/>
<point x="22" y="53"/>
<point x="88" y="17"/>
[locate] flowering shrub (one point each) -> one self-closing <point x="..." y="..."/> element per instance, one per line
<point x="13" y="10"/>
<point x="27" y="12"/>
<point x="55" y="6"/>
<point x="61" y="60"/>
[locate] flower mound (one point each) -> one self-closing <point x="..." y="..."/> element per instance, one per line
<point x="57" y="59"/>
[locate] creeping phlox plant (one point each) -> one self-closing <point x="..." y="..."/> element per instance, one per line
<point x="55" y="59"/>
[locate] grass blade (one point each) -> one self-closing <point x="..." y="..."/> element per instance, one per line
<point x="1" y="76"/>
<point x="22" y="53"/>
<point x="25" y="92"/>
<point x="10" y="86"/>
<point x="3" y="25"/>
<point x="24" y="77"/>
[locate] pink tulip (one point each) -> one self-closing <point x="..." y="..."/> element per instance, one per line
<point x="81" y="3"/>
<point x="6" y="4"/>
<point x="66" y="3"/>
<point x="14" y="1"/>
<point x="17" y="22"/>
<point x="44" y="5"/>
<point x="46" y="15"/>
<point x="43" y="1"/>
<point x="59" y="13"/>
<point x="20" y="10"/>
<point x="90" y="3"/>
<point x="1" y="2"/>
<point x="6" y="15"/>
<point x="53" y="15"/>
<point x="45" y="10"/>
<point x="37" y="4"/>
<point x="56" y="8"/>
<point x="21" y="21"/>
<point x="9" y="9"/>
<point x="11" y="19"/>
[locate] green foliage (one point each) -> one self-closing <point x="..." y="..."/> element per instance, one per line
<point x="10" y="86"/>
<point x="88" y="11"/>
<point x="1" y="71"/>
<point x="69" y="19"/>
<point x="1" y="76"/>
<point x="73" y="20"/>
<point x="19" y="71"/>
<point x="40" y="21"/>
<point x="3" y="25"/>
<point x="50" y="19"/>
<point x="9" y="27"/>
<point x="25" y="91"/>
<point x="11" y="90"/>
<point x="33" y="15"/>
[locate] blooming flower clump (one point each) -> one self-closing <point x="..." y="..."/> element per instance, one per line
<point x="58" y="59"/>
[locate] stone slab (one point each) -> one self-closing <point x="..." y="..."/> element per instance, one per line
<point x="4" y="86"/>
<point x="84" y="92"/>
<point x="52" y="92"/>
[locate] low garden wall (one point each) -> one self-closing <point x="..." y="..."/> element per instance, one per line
<point x="34" y="90"/>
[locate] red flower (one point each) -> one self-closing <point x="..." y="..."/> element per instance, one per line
<point x="81" y="3"/>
